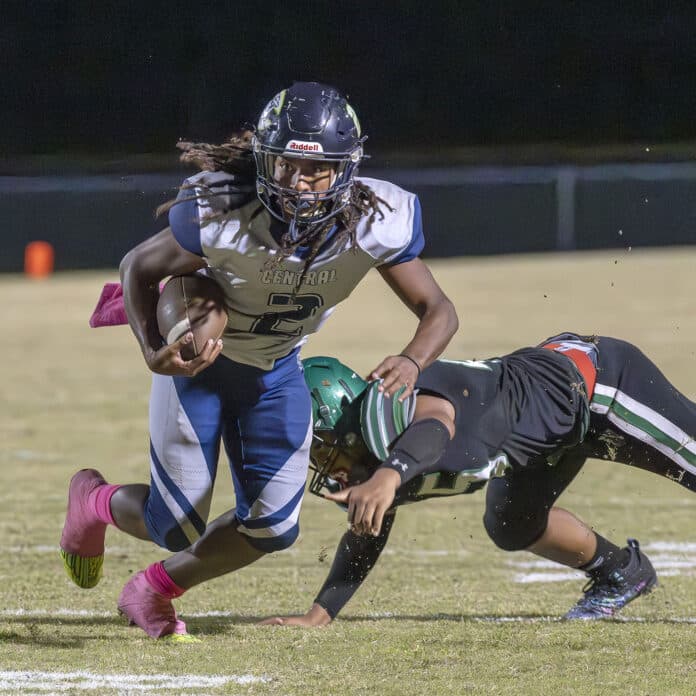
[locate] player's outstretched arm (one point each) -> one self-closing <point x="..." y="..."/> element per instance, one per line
<point x="414" y="284"/>
<point x="355" y="557"/>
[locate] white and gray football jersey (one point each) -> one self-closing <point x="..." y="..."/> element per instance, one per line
<point x="268" y="315"/>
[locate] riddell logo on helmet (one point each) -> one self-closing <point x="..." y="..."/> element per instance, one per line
<point x="304" y="146"/>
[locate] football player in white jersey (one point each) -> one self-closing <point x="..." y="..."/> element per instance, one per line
<point x="281" y="222"/>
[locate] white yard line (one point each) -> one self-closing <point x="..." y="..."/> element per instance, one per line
<point x="669" y="559"/>
<point x="658" y="560"/>
<point x="554" y="619"/>
<point x="90" y="614"/>
<point x="561" y="576"/>
<point x="543" y="619"/>
<point x="681" y="546"/>
<point x="40" y="681"/>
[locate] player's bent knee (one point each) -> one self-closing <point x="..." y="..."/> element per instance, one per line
<point x="172" y="543"/>
<point x="269" y="544"/>
<point x="509" y="536"/>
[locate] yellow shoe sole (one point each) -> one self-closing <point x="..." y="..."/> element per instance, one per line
<point x="179" y="638"/>
<point x="84" y="572"/>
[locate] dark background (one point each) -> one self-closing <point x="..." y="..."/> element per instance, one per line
<point x="137" y="76"/>
<point x="532" y="108"/>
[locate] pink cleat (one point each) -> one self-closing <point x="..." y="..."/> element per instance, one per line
<point x="150" y="610"/>
<point x="82" y="541"/>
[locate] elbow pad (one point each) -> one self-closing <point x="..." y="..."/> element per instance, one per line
<point x="419" y="449"/>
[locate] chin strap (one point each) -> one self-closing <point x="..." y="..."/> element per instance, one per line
<point x="297" y="231"/>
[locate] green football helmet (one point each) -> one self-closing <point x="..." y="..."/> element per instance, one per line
<point x="354" y="424"/>
<point x="338" y="456"/>
<point x="333" y="387"/>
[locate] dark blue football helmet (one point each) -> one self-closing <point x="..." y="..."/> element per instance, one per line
<point x="314" y="121"/>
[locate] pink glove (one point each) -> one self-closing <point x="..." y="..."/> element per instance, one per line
<point x="110" y="310"/>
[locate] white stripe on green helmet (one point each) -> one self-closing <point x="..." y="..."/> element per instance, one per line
<point x="383" y="420"/>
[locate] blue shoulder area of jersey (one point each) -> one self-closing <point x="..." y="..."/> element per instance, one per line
<point x="185" y="224"/>
<point x="417" y="243"/>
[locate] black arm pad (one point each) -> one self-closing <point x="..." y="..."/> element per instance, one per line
<point x="419" y="449"/>
<point x="355" y="558"/>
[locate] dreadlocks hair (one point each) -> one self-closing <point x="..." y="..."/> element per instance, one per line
<point x="235" y="157"/>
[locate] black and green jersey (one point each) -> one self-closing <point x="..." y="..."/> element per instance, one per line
<point x="519" y="410"/>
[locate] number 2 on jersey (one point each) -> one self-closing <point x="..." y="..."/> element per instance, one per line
<point x="287" y="321"/>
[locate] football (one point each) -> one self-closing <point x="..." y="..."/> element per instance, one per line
<point x="192" y="303"/>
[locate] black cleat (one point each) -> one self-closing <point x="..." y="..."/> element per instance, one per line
<point x="605" y="596"/>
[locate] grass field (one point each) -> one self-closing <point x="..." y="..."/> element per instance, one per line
<point x="444" y="611"/>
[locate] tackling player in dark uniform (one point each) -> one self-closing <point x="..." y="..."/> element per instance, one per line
<point x="525" y="423"/>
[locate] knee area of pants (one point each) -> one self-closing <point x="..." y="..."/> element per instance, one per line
<point x="174" y="542"/>
<point x="506" y="537"/>
<point x="172" y="539"/>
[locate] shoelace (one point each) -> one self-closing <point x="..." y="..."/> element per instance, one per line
<point x="599" y="583"/>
